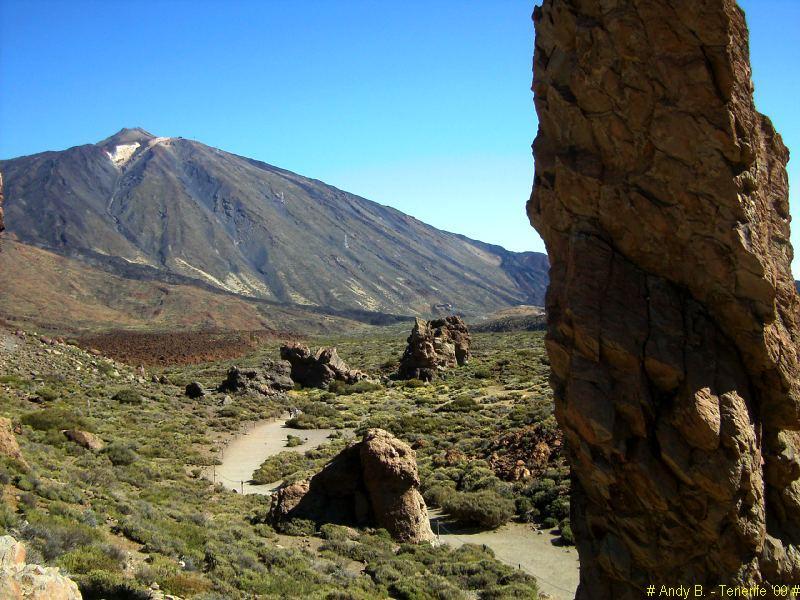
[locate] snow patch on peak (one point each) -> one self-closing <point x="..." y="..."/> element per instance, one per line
<point x="122" y="153"/>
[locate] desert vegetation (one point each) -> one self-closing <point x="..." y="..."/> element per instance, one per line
<point x="139" y="511"/>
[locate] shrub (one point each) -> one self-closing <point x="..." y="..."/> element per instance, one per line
<point x="86" y="559"/>
<point x="297" y="527"/>
<point x="566" y="532"/>
<point x="279" y="467"/>
<point x="293" y="440"/>
<point x="484" y="508"/>
<point x="99" y="585"/>
<point x="120" y="454"/>
<point x="127" y="396"/>
<point x="54" y="419"/>
<point x="48" y="394"/>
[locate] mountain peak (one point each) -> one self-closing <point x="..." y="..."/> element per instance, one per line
<point x="127" y="136"/>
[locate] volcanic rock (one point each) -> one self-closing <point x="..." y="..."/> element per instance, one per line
<point x="373" y="482"/>
<point x="273" y="377"/>
<point x="661" y="194"/>
<point x="435" y="346"/>
<point x="318" y="369"/>
<point x="85" y="439"/>
<point x="20" y="581"/>
<point x="8" y="442"/>
<point x="195" y="390"/>
<point x="2" y="223"/>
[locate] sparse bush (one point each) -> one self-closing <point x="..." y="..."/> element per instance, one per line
<point x="293" y="440"/>
<point x="484" y="508"/>
<point x="55" y="418"/>
<point x="279" y="467"/>
<point x="128" y="396"/>
<point x="297" y="527"/>
<point x="121" y="454"/>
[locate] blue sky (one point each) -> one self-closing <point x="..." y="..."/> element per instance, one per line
<point x="425" y="106"/>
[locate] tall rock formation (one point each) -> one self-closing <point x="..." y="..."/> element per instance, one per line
<point x="373" y="482"/>
<point x="2" y="223"/>
<point x="435" y="346"/>
<point x="672" y="315"/>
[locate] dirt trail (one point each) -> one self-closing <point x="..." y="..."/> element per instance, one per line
<point x="245" y="453"/>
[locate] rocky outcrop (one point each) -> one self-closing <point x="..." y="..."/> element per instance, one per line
<point x="435" y="346"/>
<point x="318" y="369"/>
<point x="373" y="482"/>
<point x="272" y="378"/>
<point x="20" y="581"/>
<point x="8" y="442"/>
<point x="661" y="194"/>
<point x="2" y="223"/>
<point x="87" y="440"/>
<point x="194" y="390"/>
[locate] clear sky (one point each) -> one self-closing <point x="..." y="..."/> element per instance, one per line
<point x="423" y="105"/>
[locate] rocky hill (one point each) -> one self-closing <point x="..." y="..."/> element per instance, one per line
<point x="176" y="210"/>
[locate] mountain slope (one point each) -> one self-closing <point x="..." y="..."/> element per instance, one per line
<point x="179" y="208"/>
<point x="64" y="295"/>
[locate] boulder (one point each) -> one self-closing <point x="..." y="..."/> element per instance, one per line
<point x="21" y="581"/>
<point x="195" y="390"/>
<point x="661" y="194"/>
<point x="435" y="346"/>
<point x="272" y="378"/>
<point x="8" y="442"/>
<point x="90" y="441"/>
<point x="319" y="368"/>
<point x="373" y="482"/>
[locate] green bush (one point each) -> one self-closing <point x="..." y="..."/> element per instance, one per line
<point x="55" y="418"/>
<point x="121" y="454"/>
<point x="293" y="440"/>
<point x="86" y="559"/>
<point x="566" y="532"/>
<point x="279" y="467"/>
<point x="128" y="396"/>
<point x="48" y="394"/>
<point x="99" y="585"/>
<point x="484" y="508"/>
<point x="297" y="527"/>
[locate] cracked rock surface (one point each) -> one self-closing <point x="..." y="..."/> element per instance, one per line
<point x="662" y="196"/>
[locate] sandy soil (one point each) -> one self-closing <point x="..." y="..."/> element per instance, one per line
<point x="522" y="546"/>
<point x="245" y="453"/>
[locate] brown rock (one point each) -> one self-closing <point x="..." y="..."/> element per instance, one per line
<point x="8" y="442"/>
<point x="373" y="482"/>
<point x="2" y="223"/>
<point x="273" y="378"/>
<point x="661" y="194"/>
<point x="85" y="439"/>
<point x="20" y="581"/>
<point x="320" y="368"/>
<point x="435" y="346"/>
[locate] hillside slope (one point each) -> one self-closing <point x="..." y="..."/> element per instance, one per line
<point x="64" y="295"/>
<point x="136" y="203"/>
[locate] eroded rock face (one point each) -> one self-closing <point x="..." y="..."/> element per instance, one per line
<point x="319" y="368"/>
<point x="435" y="346"/>
<point x="2" y="223"/>
<point x="87" y="440"/>
<point x="373" y="482"/>
<point x="272" y="378"/>
<point x="8" y="442"/>
<point x="20" y="581"/>
<point x="661" y="194"/>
